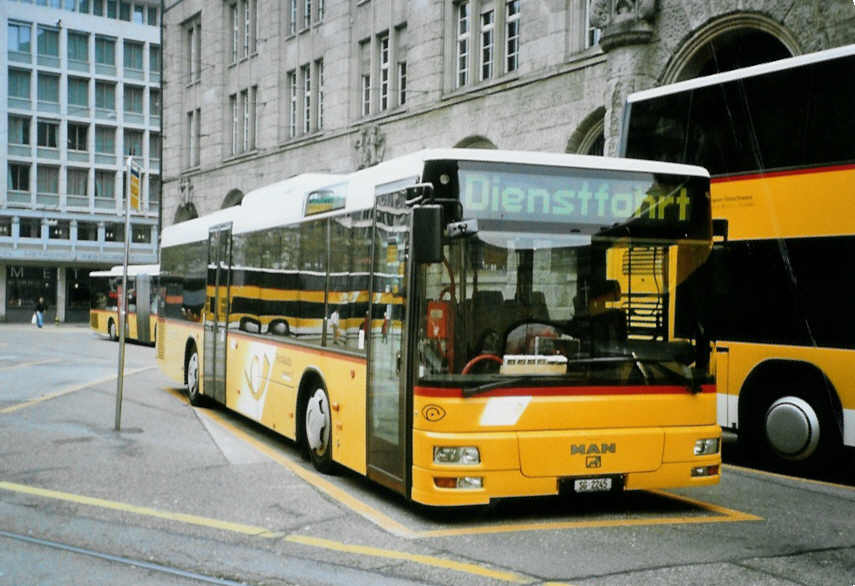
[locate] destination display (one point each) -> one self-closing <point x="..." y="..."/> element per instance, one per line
<point x="578" y="196"/>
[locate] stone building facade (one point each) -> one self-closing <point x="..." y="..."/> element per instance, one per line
<point x="256" y="91"/>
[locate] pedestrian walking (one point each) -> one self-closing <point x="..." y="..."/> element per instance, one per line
<point x="41" y="308"/>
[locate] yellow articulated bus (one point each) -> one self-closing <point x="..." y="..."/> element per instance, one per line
<point x="777" y="139"/>
<point x="444" y="323"/>
<point x="143" y="288"/>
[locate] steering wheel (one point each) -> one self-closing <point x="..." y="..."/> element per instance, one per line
<point x="478" y="359"/>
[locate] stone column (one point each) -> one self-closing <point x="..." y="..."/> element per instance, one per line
<point x="60" y="294"/>
<point x="627" y="28"/>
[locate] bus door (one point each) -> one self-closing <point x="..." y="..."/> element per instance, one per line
<point x="217" y="311"/>
<point x="144" y="292"/>
<point x="386" y="327"/>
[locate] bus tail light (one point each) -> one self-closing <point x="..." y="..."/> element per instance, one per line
<point x="458" y="482"/>
<point x="700" y="471"/>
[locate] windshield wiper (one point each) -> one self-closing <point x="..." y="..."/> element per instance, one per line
<point x="688" y="378"/>
<point x="469" y="392"/>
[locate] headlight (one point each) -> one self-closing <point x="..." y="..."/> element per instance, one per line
<point x="467" y="455"/>
<point x="706" y="446"/>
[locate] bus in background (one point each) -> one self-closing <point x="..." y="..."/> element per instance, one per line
<point x="777" y="139"/>
<point x="143" y="289"/>
<point x="444" y="323"/>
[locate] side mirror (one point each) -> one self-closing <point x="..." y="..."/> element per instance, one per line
<point x="426" y="235"/>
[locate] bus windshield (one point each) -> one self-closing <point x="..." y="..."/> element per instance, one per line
<point x="572" y="275"/>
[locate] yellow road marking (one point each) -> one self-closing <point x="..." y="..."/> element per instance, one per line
<point x="146" y="511"/>
<point x="33" y="363"/>
<point x="256" y="531"/>
<point x="380" y="519"/>
<point x="70" y="389"/>
<point x="412" y="557"/>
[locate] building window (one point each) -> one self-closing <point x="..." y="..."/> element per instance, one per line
<point x="18" y="38"/>
<point x="235" y="32"/>
<point x="319" y="67"/>
<point x="233" y="108"/>
<point x="125" y="11"/>
<point x="194" y="137"/>
<point x="193" y="49"/>
<point x="48" y="88"/>
<point x="87" y="231"/>
<point x="111" y="9"/>
<point x="59" y="229"/>
<point x="152" y="16"/>
<point x="105" y="184"/>
<point x="139" y="14"/>
<point x="30" y="228"/>
<point x="154" y="58"/>
<point x="592" y="33"/>
<point x="47" y="133"/>
<point x="292" y="104"/>
<point x="512" y="25"/>
<point x="244" y="100"/>
<point x="105" y="51"/>
<point x="77" y="182"/>
<point x="462" y="44"/>
<point x="487" y="44"/>
<point x="48" y="40"/>
<point x="292" y="17"/>
<point x="246" y="27"/>
<point x="154" y="146"/>
<point x="19" y="84"/>
<point x="154" y="102"/>
<point x="383" y="44"/>
<point x="78" y="92"/>
<point x="306" y="72"/>
<point x="321" y="10"/>
<point x="105" y="95"/>
<point x="19" y="130"/>
<point x="18" y="177"/>
<point x="366" y="95"/>
<point x="78" y="135"/>
<point x="5" y="226"/>
<point x="105" y="140"/>
<point x="402" y="83"/>
<point x="78" y="47"/>
<point x="307" y="13"/>
<point x="133" y="55"/>
<point x="133" y="143"/>
<point x="114" y="232"/>
<point x="48" y="179"/>
<point x="141" y="233"/>
<point x="133" y="99"/>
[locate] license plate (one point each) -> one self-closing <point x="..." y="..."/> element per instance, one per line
<point x="592" y="485"/>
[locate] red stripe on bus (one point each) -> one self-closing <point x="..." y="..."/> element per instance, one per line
<point x="800" y="171"/>
<point x="562" y="391"/>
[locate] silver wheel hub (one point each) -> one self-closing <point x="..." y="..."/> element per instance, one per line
<point x="193" y="372"/>
<point x="792" y="428"/>
<point x="317" y="421"/>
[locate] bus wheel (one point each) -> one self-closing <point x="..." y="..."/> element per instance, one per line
<point x="800" y="431"/>
<point x="318" y="428"/>
<point x="193" y="378"/>
<point x="112" y="331"/>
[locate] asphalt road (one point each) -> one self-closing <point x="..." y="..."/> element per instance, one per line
<point x="182" y="495"/>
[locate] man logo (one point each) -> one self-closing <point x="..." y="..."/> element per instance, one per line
<point x="433" y="412"/>
<point x="594" y="462"/>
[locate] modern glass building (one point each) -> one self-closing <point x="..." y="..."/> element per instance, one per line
<point x="81" y="93"/>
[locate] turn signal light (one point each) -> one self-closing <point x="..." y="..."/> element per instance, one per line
<point x="699" y="471"/>
<point x="458" y="482"/>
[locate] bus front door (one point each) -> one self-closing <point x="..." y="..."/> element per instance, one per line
<point x="217" y="311"/>
<point x="385" y="326"/>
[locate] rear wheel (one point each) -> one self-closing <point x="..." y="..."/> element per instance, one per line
<point x="797" y="430"/>
<point x="112" y="330"/>
<point x="192" y="373"/>
<point x="318" y="430"/>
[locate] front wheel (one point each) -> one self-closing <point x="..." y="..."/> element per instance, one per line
<point x="193" y="393"/>
<point x="318" y="428"/>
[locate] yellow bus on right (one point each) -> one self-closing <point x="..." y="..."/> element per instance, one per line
<point x="779" y="142"/>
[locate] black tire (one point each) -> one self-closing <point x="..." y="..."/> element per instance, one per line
<point x="112" y="330"/>
<point x="317" y="428"/>
<point x="796" y="430"/>
<point x="191" y="375"/>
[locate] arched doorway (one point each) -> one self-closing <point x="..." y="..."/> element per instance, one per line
<point x="731" y="42"/>
<point x="233" y="198"/>
<point x="475" y="142"/>
<point x="185" y="212"/>
<point x="589" y="138"/>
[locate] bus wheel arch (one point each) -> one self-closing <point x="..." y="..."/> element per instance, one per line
<point x="314" y="417"/>
<point x="789" y="412"/>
